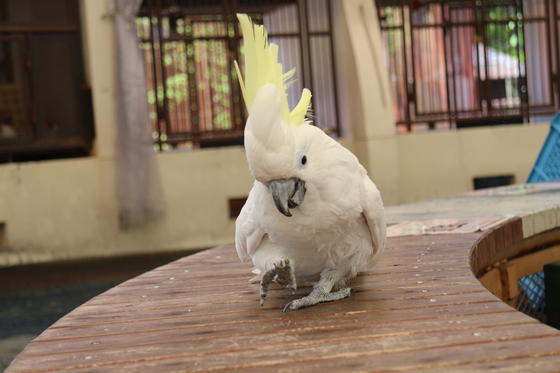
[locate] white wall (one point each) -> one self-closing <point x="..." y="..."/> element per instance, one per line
<point x="439" y="164"/>
<point x="67" y="208"/>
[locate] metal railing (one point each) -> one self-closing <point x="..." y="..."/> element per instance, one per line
<point x="189" y="49"/>
<point x="465" y="63"/>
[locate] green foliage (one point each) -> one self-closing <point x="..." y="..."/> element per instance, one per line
<point x="503" y="35"/>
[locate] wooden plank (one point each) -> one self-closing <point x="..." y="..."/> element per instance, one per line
<point x="502" y="281"/>
<point x="539" y="361"/>
<point x="421" y="358"/>
<point x="528" y="264"/>
<point x="171" y="307"/>
<point x="295" y="344"/>
<point x="492" y="280"/>
<point x="409" y="351"/>
<point x="493" y="246"/>
<point x="421" y="308"/>
<point x="176" y="288"/>
<point x="251" y="313"/>
<point x="397" y="321"/>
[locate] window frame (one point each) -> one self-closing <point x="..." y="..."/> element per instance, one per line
<point x="32" y="145"/>
<point x="407" y="103"/>
<point x="196" y="137"/>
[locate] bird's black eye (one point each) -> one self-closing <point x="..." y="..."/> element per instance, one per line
<point x="301" y="159"/>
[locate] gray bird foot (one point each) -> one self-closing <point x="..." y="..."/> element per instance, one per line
<point x="316" y="297"/>
<point x="282" y="272"/>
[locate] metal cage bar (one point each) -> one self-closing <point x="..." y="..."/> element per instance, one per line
<point x="189" y="127"/>
<point x="500" y="79"/>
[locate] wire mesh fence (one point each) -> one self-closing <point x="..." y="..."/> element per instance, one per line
<point x="531" y="297"/>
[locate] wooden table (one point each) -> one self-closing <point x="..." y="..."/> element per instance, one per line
<point x="420" y="308"/>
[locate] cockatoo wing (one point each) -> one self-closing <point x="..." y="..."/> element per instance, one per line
<point x="248" y="234"/>
<point x="372" y="209"/>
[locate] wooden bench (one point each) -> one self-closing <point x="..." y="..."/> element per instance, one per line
<point x="420" y="308"/>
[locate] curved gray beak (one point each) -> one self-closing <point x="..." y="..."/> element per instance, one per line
<point x="287" y="193"/>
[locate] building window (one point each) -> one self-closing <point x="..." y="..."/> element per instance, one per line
<point x="189" y="48"/>
<point x="468" y="63"/>
<point x="45" y="107"/>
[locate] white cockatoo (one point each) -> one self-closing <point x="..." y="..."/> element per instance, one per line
<point x="313" y="214"/>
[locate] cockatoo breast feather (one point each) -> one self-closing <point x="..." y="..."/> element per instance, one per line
<point x="337" y="221"/>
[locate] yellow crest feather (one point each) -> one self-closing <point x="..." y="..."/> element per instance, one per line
<point x="262" y="67"/>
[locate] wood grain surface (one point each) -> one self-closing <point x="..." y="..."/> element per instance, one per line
<point x="420" y="308"/>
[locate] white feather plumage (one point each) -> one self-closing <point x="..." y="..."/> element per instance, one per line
<point x="340" y="224"/>
<point x="339" y="228"/>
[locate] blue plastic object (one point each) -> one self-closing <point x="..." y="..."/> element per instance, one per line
<point x="547" y="166"/>
<point x="533" y="287"/>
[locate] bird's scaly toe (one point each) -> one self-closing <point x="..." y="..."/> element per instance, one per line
<point x="316" y="298"/>
<point x="282" y="272"/>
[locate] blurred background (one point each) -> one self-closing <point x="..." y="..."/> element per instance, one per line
<point x="435" y="98"/>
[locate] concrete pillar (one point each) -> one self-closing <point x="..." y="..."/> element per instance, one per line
<point x="365" y="93"/>
<point x="99" y="57"/>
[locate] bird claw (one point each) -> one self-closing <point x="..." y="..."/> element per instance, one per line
<point x="282" y="272"/>
<point x="315" y="298"/>
<point x="290" y="306"/>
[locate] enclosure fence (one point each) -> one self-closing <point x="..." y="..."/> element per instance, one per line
<point x="452" y="63"/>
<point x="190" y="48"/>
<point x="464" y="63"/>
